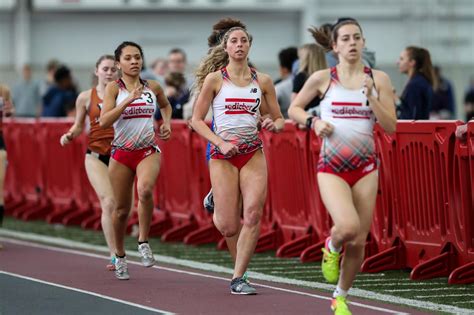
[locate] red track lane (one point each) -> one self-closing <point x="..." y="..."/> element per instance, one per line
<point x="164" y="289"/>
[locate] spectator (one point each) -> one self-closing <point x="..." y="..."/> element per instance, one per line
<point x="443" y="98"/>
<point x="417" y="97"/>
<point x="51" y="68"/>
<point x="159" y="68"/>
<point x="60" y="98"/>
<point x="177" y="62"/>
<point x="284" y="87"/>
<point x="177" y="94"/>
<point x="312" y="59"/>
<point x="26" y="95"/>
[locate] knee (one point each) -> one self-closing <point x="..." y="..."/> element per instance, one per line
<point x="227" y="229"/>
<point x="348" y="231"/>
<point x="108" y="204"/>
<point x="252" y="216"/>
<point x="145" y="192"/>
<point x="358" y="243"/>
<point x="121" y="213"/>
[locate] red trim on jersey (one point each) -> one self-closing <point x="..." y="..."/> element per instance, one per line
<point x="346" y="104"/>
<point x="137" y="104"/>
<point x="138" y="116"/>
<point x="238" y="112"/>
<point x="248" y="100"/>
<point x="352" y="117"/>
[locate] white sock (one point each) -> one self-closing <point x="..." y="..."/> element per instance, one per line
<point x="339" y="292"/>
<point x="334" y="249"/>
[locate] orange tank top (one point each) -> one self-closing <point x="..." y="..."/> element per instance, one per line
<point x="99" y="139"/>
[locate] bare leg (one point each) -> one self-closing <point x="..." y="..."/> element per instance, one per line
<point x="225" y="183"/>
<point x="364" y="193"/>
<point x="121" y="178"/>
<point x="97" y="172"/>
<point x="147" y="172"/>
<point x="253" y="185"/>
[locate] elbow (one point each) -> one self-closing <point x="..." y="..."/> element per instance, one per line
<point x="291" y="113"/>
<point x="103" y="124"/>
<point x="194" y="122"/>
<point x="390" y="127"/>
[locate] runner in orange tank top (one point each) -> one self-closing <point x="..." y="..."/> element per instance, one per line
<point x="97" y="158"/>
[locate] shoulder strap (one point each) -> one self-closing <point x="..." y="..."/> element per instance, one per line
<point x="121" y="84"/>
<point x="225" y="74"/>
<point x="254" y="74"/>
<point x="334" y="76"/>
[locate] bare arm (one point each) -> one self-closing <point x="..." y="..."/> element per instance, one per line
<point x="165" y="109"/>
<point x="383" y="106"/>
<point x="269" y="105"/>
<point x="208" y="91"/>
<point x="314" y="86"/>
<point x="110" y="112"/>
<point x="78" y="126"/>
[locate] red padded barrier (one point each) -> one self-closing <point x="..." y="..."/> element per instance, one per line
<point x="13" y="196"/>
<point x="60" y="165"/>
<point x="88" y="211"/>
<point x="387" y="217"/>
<point x="26" y="158"/>
<point x="181" y="193"/>
<point x="420" y="212"/>
<point x="462" y="208"/>
<point x="287" y="158"/>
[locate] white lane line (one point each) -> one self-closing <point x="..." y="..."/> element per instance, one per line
<point x="105" y="297"/>
<point x="444" y="295"/>
<point x="388" y="283"/>
<point x="214" y="268"/>
<point x="432" y="281"/>
<point x="430" y="289"/>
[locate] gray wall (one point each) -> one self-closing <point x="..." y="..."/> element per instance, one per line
<point x="445" y="27"/>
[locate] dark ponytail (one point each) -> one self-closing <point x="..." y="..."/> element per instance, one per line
<point x="423" y="64"/>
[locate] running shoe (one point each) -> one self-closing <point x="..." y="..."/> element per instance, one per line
<point x="121" y="269"/>
<point x="208" y="202"/>
<point x="146" y="255"/>
<point x="111" y="264"/>
<point x="339" y="306"/>
<point x="330" y="264"/>
<point x="241" y="286"/>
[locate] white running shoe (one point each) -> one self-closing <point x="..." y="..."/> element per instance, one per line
<point x="121" y="269"/>
<point x="146" y="255"/>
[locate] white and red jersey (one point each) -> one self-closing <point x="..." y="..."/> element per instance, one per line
<point x="351" y="144"/>
<point x="134" y="129"/>
<point x="236" y="113"/>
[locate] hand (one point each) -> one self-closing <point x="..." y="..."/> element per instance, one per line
<point x="135" y="94"/>
<point x="268" y="124"/>
<point x="227" y="148"/>
<point x="461" y="131"/>
<point x="165" y="131"/>
<point x="368" y="86"/>
<point x="323" y="128"/>
<point x="65" y="138"/>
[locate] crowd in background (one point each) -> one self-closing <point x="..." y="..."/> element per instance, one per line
<point x="55" y="94"/>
